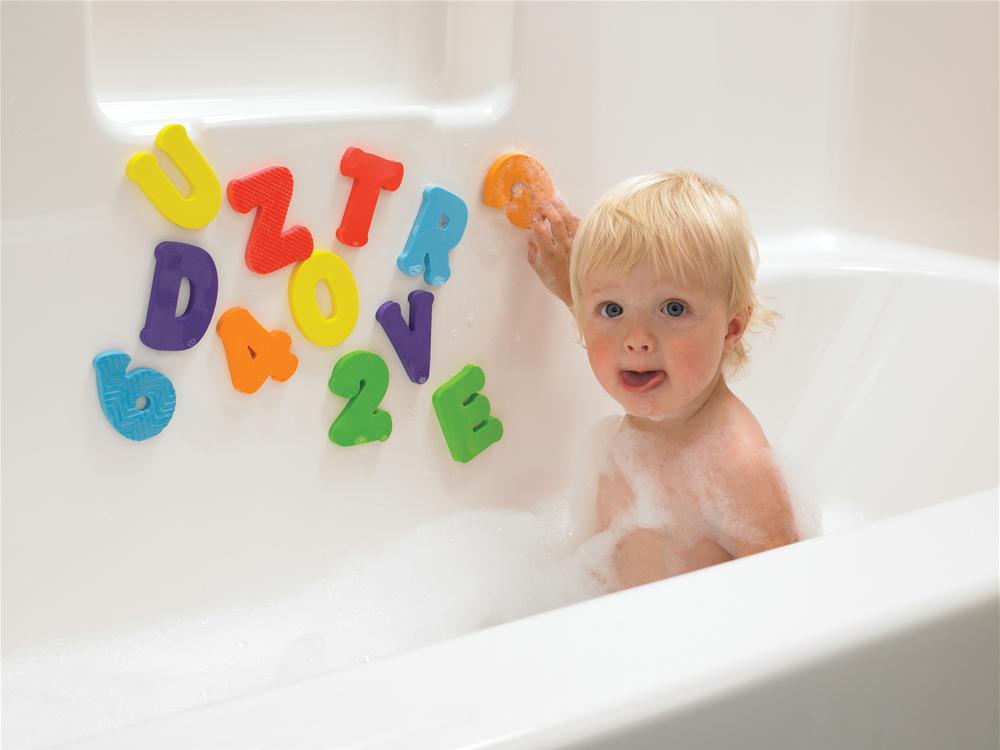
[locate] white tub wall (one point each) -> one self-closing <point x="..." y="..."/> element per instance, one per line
<point x="879" y="118"/>
<point x="597" y="94"/>
<point x="892" y="130"/>
<point x="920" y="159"/>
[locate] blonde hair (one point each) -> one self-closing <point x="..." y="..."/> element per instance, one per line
<point x="689" y="227"/>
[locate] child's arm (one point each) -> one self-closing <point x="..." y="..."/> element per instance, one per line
<point x="759" y="513"/>
<point x="550" y="245"/>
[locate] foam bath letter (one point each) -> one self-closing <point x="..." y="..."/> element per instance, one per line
<point x="324" y="266"/>
<point x="270" y="192"/>
<point x="197" y="209"/>
<point x="464" y="415"/>
<point x="412" y="342"/>
<point x="138" y="404"/>
<point x="371" y="174"/>
<point x="175" y="261"/>
<point x="523" y="172"/>
<point x="439" y="226"/>
<point x="363" y="378"/>
<point x="253" y="352"/>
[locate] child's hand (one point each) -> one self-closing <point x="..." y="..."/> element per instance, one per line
<point x="549" y="248"/>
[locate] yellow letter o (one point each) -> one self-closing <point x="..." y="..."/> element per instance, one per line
<point x="323" y="265"/>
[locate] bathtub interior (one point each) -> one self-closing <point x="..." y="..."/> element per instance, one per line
<point x="881" y="374"/>
<point x="835" y="385"/>
<point x="240" y="549"/>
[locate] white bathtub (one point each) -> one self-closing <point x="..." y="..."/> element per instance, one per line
<point x="880" y="633"/>
<point x="133" y="572"/>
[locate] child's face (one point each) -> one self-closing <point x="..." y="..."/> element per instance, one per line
<point x="654" y="344"/>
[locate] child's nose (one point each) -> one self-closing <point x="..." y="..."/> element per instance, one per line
<point x="639" y="340"/>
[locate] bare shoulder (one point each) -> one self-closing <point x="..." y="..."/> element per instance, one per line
<point x="754" y="510"/>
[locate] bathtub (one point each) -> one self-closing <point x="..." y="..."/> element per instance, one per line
<point x="146" y="585"/>
<point x="879" y="632"/>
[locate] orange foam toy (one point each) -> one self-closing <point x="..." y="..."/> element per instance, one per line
<point x="253" y="352"/>
<point x="517" y="170"/>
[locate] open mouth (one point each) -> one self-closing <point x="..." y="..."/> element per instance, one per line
<point x="638" y="381"/>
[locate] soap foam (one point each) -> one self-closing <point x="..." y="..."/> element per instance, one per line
<point x="814" y="511"/>
<point x="817" y="510"/>
<point x="445" y="578"/>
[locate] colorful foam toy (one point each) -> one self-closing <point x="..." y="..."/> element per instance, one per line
<point x="138" y="404"/>
<point x="517" y="183"/>
<point x="464" y="415"/>
<point x="439" y="226"/>
<point x="197" y="209"/>
<point x="175" y="261"/>
<point x="372" y="174"/>
<point x="363" y="378"/>
<point x="412" y="341"/>
<point x="327" y="267"/>
<point x="254" y="354"/>
<point x="270" y="192"/>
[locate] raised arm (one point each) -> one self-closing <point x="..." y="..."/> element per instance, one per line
<point x="549" y="247"/>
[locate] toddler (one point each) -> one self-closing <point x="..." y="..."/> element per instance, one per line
<point x="659" y="277"/>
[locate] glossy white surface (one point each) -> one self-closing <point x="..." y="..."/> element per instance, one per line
<point x="881" y="380"/>
<point x="324" y="60"/>
<point x="882" y="374"/>
<point x="790" y="622"/>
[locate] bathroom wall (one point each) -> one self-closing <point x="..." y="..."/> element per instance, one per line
<point x="919" y="152"/>
<point x="870" y="118"/>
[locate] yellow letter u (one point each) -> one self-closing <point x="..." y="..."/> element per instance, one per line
<point x="193" y="211"/>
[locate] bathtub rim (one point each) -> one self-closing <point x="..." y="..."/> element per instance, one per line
<point x="833" y="248"/>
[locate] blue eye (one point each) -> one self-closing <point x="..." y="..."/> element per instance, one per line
<point x="611" y="310"/>
<point x="674" y="308"/>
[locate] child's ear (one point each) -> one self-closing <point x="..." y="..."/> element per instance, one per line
<point x="736" y="328"/>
